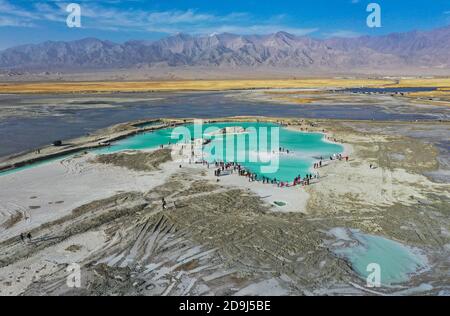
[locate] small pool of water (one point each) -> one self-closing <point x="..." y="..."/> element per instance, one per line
<point x="397" y="262"/>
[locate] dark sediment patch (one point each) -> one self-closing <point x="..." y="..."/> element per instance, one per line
<point x="73" y="248"/>
<point x="13" y="220"/>
<point x="138" y="161"/>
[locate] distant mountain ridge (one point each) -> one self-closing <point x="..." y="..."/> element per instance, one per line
<point x="280" y="50"/>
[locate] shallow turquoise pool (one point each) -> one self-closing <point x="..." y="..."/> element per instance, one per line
<point x="257" y="145"/>
<point x="33" y="165"/>
<point x="304" y="148"/>
<point x="397" y="262"/>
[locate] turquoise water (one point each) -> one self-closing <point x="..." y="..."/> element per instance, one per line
<point x="305" y="148"/>
<point x="33" y="165"/>
<point x="397" y="262"/>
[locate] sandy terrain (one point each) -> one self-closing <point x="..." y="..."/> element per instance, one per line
<point x="53" y="190"/>
<point x="322" y="97"/>
<point x="77" y="177"/>
<point x="214" y="73"/>
<point x="223" y="237"/>
<point x="56" y="105"/>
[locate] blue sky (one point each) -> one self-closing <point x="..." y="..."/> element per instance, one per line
<point x="28" y="21"/>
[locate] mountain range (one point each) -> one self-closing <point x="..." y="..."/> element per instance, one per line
<point x="417" y="49"/>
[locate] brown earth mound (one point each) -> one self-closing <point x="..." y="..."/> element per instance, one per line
<point x="138" y="161"/>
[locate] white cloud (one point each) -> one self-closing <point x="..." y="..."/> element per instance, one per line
<point x="343" y="33"/>
<point x="13" y="15"/>
<point x="255" y="29"/>
<point x="107" y="17"/>
<point x="6" y="8"/>
<point x="8" y="21"/>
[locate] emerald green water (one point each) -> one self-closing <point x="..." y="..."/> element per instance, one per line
<point x="397" y="262"/>
<point x="305" y="148"/>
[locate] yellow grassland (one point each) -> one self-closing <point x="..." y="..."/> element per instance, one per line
<point x="422" y="82"/>
<point x="188" y="85"/>
<point x="215" y="85"/>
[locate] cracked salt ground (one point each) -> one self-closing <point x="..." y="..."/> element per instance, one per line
<point x="220" y="238"/>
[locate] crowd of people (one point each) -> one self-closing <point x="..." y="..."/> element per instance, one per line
<point x="226" y="168"/>
<point x="223" y="168"/>
<point x="338" y="157"/>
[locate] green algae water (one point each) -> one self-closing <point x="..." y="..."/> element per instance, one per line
<point x="304" y="148"/>
<point x="397" y="262"/>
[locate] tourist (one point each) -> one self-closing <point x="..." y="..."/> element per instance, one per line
<point x="29" y="236"/>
